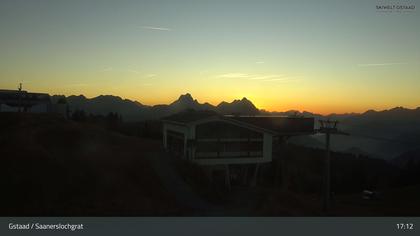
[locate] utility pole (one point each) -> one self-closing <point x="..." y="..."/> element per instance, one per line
<point x="328" y="127"/>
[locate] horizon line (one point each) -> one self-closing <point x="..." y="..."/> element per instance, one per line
<point x="260" y="109"/>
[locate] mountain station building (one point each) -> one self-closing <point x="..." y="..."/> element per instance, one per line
<point x="228" y="142"/>
<point x="20" y="100"/>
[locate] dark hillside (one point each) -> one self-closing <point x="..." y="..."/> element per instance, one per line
<point x="51" y="166"/>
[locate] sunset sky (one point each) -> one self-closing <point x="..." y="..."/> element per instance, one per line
<point x="328" y="56"/>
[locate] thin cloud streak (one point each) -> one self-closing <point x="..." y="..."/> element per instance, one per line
<point x="383" y="64"/>
<point x="266" y="77"/>
<point x="287" y="79"/>
<point x="262" y="78"/>
<point x="234" y="76"/>
<point x="156" y="28"/>
<point x="134" y="71"/>
<point x="150" y="75"/>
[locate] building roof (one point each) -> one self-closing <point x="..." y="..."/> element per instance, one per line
<point x="189" y="116"/>
<point x="278" y="124"/>
<point x="22" y="98"/>
<point x="273" y="124"/>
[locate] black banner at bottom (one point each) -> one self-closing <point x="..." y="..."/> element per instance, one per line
<point x="210" y="226"/>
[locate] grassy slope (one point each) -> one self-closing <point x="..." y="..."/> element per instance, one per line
<point x="54" y="167"/>
<point x="400" y="201"/>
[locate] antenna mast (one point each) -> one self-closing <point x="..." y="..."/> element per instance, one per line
<point x="20" y="97"/>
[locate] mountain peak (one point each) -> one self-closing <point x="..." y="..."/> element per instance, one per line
<point x="243" y="106"/>
<point x="370" y="111"/>
<point x="186" y="97"/>
<point x="185" y="101"/>
<point x="107" y="97"/>
<point x="243" y="101"/>
<point x="80" y="96"/>
<point x="400" y="108"/>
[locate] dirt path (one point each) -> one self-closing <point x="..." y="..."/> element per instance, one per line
<point x="164" y="166"/>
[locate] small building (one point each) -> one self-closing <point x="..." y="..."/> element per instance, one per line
<point x="20" y="100"/>
<point x="220" y="142"/>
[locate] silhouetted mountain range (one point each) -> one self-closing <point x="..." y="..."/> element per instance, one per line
<point x="103" y="104"/>
<point x="135" y="111"/>
<point x="385" y="134"/>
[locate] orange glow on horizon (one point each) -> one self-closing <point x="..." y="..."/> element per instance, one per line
<point x="316" y="105"/>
